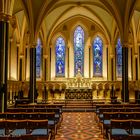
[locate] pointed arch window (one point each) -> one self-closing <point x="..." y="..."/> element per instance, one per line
<point x="97" y="56"/>
<point x="119" y="58"/>
<point x="38" y="58"/>
<point x="79" y="50"/>
<point x="60" y="57"/>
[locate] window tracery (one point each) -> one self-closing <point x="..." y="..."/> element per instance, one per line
<point x="60" y="57"/>
<point x="38" y="58"/>
<point x="97" y="56"/>
<point x="79" y="50"/>
<point x="119" y="58"/>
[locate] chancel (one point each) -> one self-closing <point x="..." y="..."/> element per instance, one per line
<point x="69" y="69"/>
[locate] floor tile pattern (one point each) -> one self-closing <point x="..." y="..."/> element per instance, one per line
<point x="79" y="126"/>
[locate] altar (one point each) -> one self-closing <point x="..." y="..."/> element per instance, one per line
<point x="78" y="88"/>
<point x="78" y="93"/>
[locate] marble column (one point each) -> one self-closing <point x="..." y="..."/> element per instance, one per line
<point x="112" y="67"/>
<point x="68" y="71"/>
<point x="20" y="67"/>
<point x="11" y="40"/>
<point x="50" y="63"/>
<point x="90" y="61"/>
<point x="32" y="90"/>
<point x="45" y="71"/>
<point x="4" y="42"/>
<point x="125" y="91"/>
<point x="111" y="64"/>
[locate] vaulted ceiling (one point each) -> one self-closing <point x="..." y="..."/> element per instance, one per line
<point x="49" y="14"/>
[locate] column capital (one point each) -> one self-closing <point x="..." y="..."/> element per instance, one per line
<point x="5" y="17"/>
<point x="89" y="46"/>
<point x="125" y="45"/>
<point x="11" y="39"/>
<point x="106" y="45"/>
<point x="51" y="45"/>
<point x="26" y="45"/>
<point x="33" y="45"/>
<point x="45" y="56"/>
<point x="112" y="43"/>
<point x="13" y="22"/>
<point x="112" y="55"/>
<point x="21" y="56"/>
<point x="136" y="55"/>
<point x="18" y="44"/>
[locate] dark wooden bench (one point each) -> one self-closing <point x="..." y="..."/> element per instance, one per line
<point x="18" y="128"/>
<point x="58" y="113"/>
<point x="50" y="116"/>
<point x="107" y="116"/>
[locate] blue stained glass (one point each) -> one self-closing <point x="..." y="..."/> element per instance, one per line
<point x="79" y="50"/>
<point x="38" y="58"/>
<point x="119" y="58"/>
<point x="60" y="57"/>
<point x="97" y="56"/>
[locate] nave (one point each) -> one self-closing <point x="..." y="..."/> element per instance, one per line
<point x="79" y="126"/>
<point x="80" y="53"/>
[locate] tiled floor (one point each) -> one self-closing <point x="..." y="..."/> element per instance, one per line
<point x="79" y="126"/>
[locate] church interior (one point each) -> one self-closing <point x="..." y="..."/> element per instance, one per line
<point x="64" y="62"/>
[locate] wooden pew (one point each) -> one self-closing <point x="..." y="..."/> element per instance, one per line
<point x="50" y="116"/>
<point x="119" y="129"/>
<point x="16" y="129"/>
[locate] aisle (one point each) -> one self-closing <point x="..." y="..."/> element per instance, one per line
<point x="79" y="126"/>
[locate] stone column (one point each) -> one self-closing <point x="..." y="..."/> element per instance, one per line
<point x="32" y="89"/>
<point x="4" y="41"/>
<point x="21" y="67"/>
<point x="45" y="68"/>
<point x="136" y="66"/>
<point x="17" y="60"/>
<point x="11" y="40"/>
<point x="105" y="61"/>
<point x="68" y="61"/>
<point x="125" y="91"/>
<point x="130" y="62"/>
<point x="13" y="24"/>
<point x="111" y="65"/>
<point x="90" y="61"/>
<point x="49" y="62"/>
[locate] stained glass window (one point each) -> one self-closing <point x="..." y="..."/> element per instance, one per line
<point x="79" y="50"/>
<point x="97" y="56"/>
<point x="119" y="58"/>
<point x="60" y="57"/>
<point x="38" y="58"/>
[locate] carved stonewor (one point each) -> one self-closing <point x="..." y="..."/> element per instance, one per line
<point x="79" y="90"/>
<point x="79" y="78"/>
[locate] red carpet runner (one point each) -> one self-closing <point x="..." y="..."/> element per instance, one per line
<point x="79" y="126"/>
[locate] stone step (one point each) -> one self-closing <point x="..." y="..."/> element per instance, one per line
<point x="78" y="109"/>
